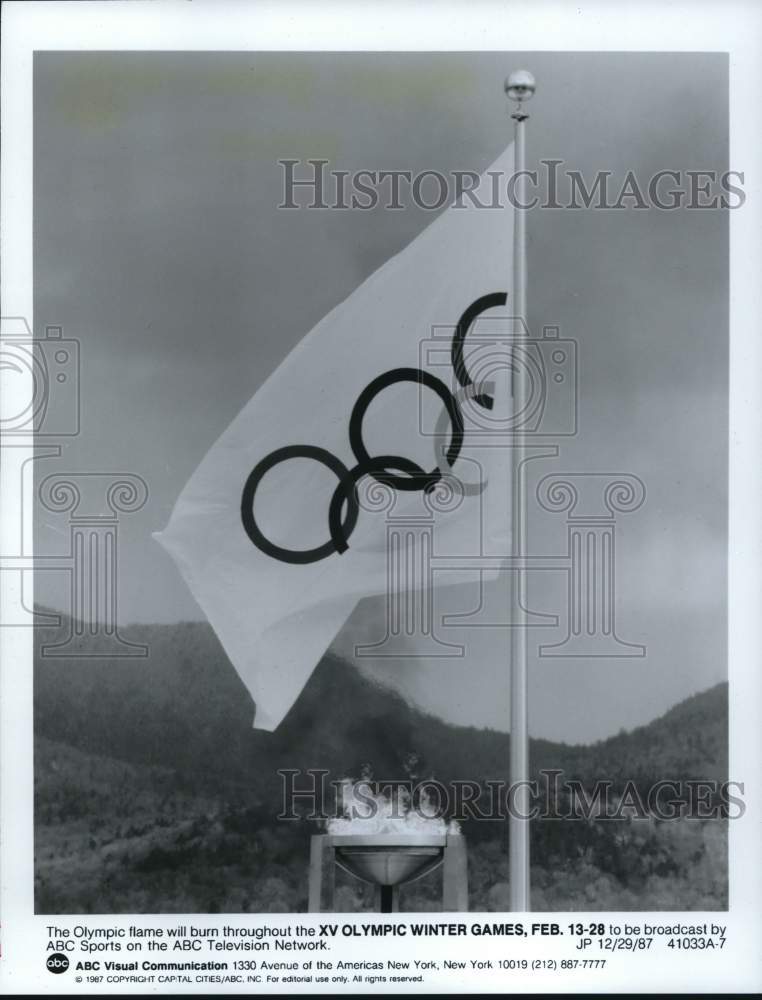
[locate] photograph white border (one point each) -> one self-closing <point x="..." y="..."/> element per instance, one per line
<point x="732" y="27"/>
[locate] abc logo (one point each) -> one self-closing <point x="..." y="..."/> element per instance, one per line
<point x="57" y="963"/>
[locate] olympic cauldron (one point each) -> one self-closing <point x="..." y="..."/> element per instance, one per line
<point x="388" y="861"/>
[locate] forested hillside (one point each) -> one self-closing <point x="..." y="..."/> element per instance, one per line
<point x="154" y="793"/>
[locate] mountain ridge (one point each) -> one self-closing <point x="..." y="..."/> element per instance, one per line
<point x="185" y="707"/>
<point x="153" y="793"/>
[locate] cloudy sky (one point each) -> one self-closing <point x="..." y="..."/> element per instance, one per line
<point x="159" y="245"/>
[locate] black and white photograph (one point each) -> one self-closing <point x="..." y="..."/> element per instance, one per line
<point x="368" y="445"/>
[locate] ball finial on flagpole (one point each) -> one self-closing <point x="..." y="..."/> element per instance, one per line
<point x="520" y="85"/>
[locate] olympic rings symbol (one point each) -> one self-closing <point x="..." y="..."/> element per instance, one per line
<point x="394" y="471"/>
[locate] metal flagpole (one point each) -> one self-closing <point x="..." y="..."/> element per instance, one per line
<point x="519" y="87"/>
